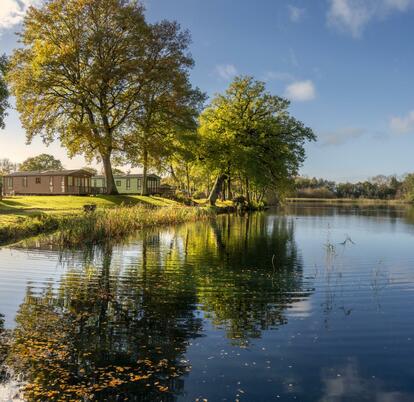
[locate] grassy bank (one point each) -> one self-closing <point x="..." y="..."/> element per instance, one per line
<point x="364" y="201"/>
<point x="14" y="209"/>
<point x="102" y="225"/>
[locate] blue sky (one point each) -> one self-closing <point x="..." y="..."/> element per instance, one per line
<point x="346" y="65"/>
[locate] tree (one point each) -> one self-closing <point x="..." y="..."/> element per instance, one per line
<point x="7" y="166"/>
<point x="248" y="132"/>
<point x="182" y="162"/>
<point x="170" y="106"/>
<point x="82" y="71"/>
<point x="4" y="92"/>
<point x="40" y="163"/>
<point x="408" y="187"/>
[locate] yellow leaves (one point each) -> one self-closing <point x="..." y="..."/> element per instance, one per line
<point x="136" y="377"/>
<point x="115" y="382"/>
<point x="163" y="389"/>
<point x="52" y="394"/>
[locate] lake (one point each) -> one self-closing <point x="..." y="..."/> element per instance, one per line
<point x="306" y="303"/>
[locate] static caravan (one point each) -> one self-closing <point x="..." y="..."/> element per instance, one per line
<point x="129" y="184"/>
<point x="65" y="182"/>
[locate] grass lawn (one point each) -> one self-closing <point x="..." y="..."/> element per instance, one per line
<point x="14" y="209"/>
<point x="62" y="202"/>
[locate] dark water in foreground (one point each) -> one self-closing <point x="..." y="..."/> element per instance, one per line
<point x="313" y="303"/>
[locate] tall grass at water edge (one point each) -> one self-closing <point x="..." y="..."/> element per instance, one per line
<point x="100" y="226"/>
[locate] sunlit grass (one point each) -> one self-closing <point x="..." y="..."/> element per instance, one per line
<point x="70" y="203"/>
<point x="23" y="216"/>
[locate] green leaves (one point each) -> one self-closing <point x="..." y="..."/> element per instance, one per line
<point x="41" y="163"/>
<point x="4" y="92"/>
<point x="90" y="68"/>
<point x="250" y="132"/>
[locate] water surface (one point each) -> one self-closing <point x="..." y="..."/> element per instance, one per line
<point x="309" y="303"/>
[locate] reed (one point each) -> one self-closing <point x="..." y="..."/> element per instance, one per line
<point x="28" y="227"/>
<point x="116" y="223"/>
<point x="103" y="225"/>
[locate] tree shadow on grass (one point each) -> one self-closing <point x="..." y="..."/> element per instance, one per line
<point x="126" y="200"/>
<point x="7" y="203"/>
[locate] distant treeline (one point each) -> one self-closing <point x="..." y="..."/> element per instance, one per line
<point x="379" y="187"/>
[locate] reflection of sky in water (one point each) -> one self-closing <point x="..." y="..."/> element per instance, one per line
<point x="20" y="269"/>
<point x="325" y="324"/>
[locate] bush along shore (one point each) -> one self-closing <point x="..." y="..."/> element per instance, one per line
<point x="100" y="226"/>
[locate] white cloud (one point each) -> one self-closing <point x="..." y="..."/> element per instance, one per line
<point x="301" y="91"/>
<point x="345" y="382"/>
<point x="226" y="71"/>
<point x="347" y="16"/>
<point x="12" y="11"/>
<point x="353" y="15"/>
<point x="402" y="125"/>
<point x="302" y="308"/>
<point x="341" y="136"/>
<point x="296" y="13"/>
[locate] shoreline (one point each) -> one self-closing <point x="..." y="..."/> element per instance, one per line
<point x="361" y="201"/>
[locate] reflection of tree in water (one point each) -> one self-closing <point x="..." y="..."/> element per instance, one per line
<point x="375" y="212"/>
<point x="247" y="271"/>
<point x="3" y="345"/>
<point x="103" y="336"/>
<point x="248" y="284"/>
<point x="117" y="327"/>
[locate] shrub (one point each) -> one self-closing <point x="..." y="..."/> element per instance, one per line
<point x="322" y="192"/>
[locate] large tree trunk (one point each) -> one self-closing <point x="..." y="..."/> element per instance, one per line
<point x="217" y="186"/>
<point x="109" y="177"/>
<point x="144" y="190"/>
